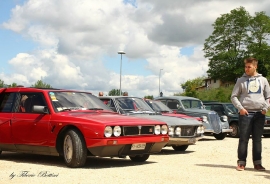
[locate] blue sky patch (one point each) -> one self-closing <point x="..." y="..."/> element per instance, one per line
<point x="187" y="51"/>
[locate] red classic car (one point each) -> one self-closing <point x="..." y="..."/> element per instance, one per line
<point x="74" y="125"/>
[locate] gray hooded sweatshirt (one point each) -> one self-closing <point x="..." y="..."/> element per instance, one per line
<point x="251" y="93"/>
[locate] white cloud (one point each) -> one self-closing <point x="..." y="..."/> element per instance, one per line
<point x="74" y="36"/>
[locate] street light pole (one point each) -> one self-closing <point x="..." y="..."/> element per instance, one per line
<point x="159" y="81"/>
<point x="121" y="52"/>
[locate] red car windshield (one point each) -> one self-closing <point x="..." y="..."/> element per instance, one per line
<point x="66" y="100"/>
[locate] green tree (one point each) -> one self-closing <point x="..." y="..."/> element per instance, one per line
<point x="189" y="87"/>
<point x="149" y="97"/>
<point x="114" y="92"/>
<point x="222" y="94"/>
<point x="41" y="84"/>
<point x="237" y="35"/>
<point x="13" y="85"/>
<point x="1" y="83"/>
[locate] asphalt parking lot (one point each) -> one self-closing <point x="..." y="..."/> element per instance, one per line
<point x="209" y="161"/>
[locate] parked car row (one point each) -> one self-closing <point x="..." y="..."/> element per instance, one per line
<point x="74" y="124"/>
<point x="182" y="131"/>
<point x="213" y="124"/>
<point x="231" y="112"/>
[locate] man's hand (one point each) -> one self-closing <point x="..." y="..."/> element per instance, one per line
<point x="263" y="112"/>
<point x="243" y="112"/>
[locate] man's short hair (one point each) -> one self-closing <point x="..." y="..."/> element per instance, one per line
<point x="252" y="60"/>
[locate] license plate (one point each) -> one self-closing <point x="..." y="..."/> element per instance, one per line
<point x="192" y="140"/>
<point x="138" y="146"/>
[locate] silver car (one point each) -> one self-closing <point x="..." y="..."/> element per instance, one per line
<point x="182" y="131"/>
<point x="213" y="124"/>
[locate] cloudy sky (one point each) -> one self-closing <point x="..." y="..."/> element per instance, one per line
<point x="74" y="44"/>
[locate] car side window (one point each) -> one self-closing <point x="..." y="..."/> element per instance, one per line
<point x="219" y="109"/>
<point x="173" y="104"/>
<point x="186" y="104"/>
<point x="7" y="102"/>
<point x="29" y="100"/>
<point x="207" y="107"/>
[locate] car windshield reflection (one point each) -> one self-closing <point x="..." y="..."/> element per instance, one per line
<point x="158" y="106"/>
<point x="231" y="109"/>
<point x="132" y="104"/>
<point x="71" y="101"/>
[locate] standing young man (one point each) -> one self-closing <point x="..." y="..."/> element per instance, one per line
<point x="250" y="96"/>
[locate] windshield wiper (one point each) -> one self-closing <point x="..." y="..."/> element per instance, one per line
<point x="95" y="108"/>
<point x="66" y="109"/>
<point x="164" y="111"/>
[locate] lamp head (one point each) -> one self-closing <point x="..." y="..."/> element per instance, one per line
<point x="121" y="52"/>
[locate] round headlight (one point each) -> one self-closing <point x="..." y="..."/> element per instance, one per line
<point x="224" y="118"/>
<point x="204" y="118"/>
<point x="200" y="130"/>
<point x="117" y="131"/>
<point x="164" y="129"/>
<point x="157" y="129"/>
<point x="108" y="131"/>
<point x="177" y="131"/>
<point x="171" y="132"/>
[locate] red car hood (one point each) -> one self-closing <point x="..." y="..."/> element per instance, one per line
<point x="109" y="118"/>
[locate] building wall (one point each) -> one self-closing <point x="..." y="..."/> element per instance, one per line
<point x="211" y="83"/>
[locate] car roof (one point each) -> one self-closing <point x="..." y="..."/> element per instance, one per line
<point x="177" y="97"/>
<point x="216" y="102"/>
<point x="33" y="89"/>
<point x="118" y="97"/>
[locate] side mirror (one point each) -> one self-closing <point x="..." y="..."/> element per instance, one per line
<point x="40" y="109"/>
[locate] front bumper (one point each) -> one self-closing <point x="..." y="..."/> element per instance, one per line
<point x="208" y="130"/>
<point x="266" y="130"/>
<point x="122" y="147"/>
<point x="226" y="130"/>
<point x="178" y="141"/>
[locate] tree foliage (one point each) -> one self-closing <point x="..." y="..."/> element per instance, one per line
<point x="114" y="92"/>
<point x="149" y="97"/>
<point x="189" y="87"/>
<point x="236" y="36"/>
<point x="1" y="83"/>
<point x="41" y="84"/>
<point x="222" y="94"/>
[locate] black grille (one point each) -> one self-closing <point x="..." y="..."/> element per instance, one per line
<point x="138" y="130"/>
<point x="147" y="130"/>
<point x="187" y="131"/>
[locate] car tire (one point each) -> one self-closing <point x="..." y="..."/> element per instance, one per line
<point x="74" y="149"/>
<point x="266" y="135"/>
<point x="235" y="132"/>
<point x="180" y="148"/>
<point x="220" y="136"/>
<point x="139" y="158"/>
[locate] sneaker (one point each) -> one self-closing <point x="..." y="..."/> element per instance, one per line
<point x="240" y="167"/>
<point x="259" y="167"/>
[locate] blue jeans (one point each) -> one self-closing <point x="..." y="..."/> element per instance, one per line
<point x="253" y="124"/>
